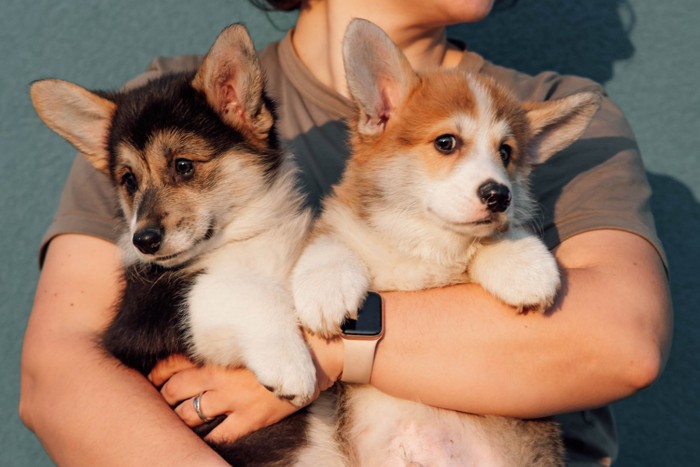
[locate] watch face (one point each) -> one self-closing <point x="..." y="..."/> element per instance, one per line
<point x="369" y="318"/>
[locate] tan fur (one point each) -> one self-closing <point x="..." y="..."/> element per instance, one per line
<point x="219" y="185"/>
<point x="60" y="103"/>
<point x="408" y="216"/>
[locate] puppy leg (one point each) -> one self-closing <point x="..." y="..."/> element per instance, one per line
<point x="518" y="269"/>
<point x="329" y="283"/>
<point x="246" y="319"/>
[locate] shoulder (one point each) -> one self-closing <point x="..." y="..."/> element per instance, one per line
<point x="269" y="57"/>
<point x="161" y="66"/>
<point x="608" y="122"/>
<point x="543" y="86"/>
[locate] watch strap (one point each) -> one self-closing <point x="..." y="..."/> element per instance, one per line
<point x="358" y="359"/>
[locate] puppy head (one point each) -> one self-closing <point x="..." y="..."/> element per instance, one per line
<point x="447" y="146"/>
<point x="186" y="153"/>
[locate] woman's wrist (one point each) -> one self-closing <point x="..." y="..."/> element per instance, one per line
<point x="328" y="358"/>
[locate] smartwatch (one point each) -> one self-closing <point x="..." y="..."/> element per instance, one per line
<point x="360" y="338"/>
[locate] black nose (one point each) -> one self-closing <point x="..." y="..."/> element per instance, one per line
<point x="148" y="240"/>
<point x="495" y="196"/>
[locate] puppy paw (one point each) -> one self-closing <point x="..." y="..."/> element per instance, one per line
<point x="297" y="384"/>
<point x="291" y="376"/>
<point x="519" y="271"/>
<point x="251" y="322"/>
<point x="328" y="284"/>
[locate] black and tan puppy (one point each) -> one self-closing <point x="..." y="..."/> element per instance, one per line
<point x="212" y="225"/>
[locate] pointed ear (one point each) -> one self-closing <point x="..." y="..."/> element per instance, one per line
<point x="81" y="117"/>
<point x="232" y="81"/>
<point x="556" y="124"/>
<point x="378" y="75"/>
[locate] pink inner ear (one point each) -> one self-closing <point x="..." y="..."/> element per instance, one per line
<point x="384" y="107"/>
<point x="228" y="100"/>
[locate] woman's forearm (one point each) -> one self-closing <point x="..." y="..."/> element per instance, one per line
<point x="89" y="410"/>
<point x="86" y="408"/>
<point x="606" y="337"/>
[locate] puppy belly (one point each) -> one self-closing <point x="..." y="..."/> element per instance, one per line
<point x="421" y="443"/>
<point x="385" y="431"/>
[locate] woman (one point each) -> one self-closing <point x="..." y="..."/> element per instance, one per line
<point x="605" y="338"/>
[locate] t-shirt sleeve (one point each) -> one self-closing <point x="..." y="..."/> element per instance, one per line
<point x="88" y="203"/>
<point x="87" y="206"/>
<point x="598" y="182"/>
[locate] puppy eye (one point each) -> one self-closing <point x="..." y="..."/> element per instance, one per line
<point x="128" y="181"/>
<point x="184" y="167"/>
<point x="446" y="144"/>
<point x="505" y="152"/>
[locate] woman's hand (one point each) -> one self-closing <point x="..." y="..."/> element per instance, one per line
<point x="235" y="392"/>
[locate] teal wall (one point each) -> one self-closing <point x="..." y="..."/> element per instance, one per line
<point x="646" y="53"/>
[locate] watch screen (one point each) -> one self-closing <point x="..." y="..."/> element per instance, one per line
<point x="369" y="318"/>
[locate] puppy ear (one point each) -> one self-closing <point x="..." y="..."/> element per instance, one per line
<point x="81" y="117"/>
<point x="378" y="75"/>
<point x="556" y="124"/>
<point x="232" y="81"/>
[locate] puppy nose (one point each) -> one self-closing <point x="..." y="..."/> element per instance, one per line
<point x="148" y="240"/>
<point x="495" y="196"/>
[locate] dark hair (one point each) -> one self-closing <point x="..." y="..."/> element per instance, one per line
<point x="289" y="5"/>
<point x="277" y="5"/>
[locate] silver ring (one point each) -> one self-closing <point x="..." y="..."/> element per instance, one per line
<point x="197" y="403"/>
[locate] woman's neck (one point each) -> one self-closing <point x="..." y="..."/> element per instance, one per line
<point x="318" y="38"/>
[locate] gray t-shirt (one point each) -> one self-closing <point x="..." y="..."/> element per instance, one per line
<point x="597" y="183"/>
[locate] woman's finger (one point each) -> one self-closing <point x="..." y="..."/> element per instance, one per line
<point x="211" y="404"/>
<point x="166" y="368"/>
<point x="187" y="383"/>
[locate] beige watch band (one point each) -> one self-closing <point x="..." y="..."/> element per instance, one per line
<point x="358" y="359"/>
<point x="359" y="351"/>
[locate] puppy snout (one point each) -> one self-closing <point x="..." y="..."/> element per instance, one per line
<point x="495" y="196"/>
<point x="148" y="240"/>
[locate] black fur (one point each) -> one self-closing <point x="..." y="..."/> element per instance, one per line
<point x="147" y="328"/>
<point x="148" y="324"/>
<point x="171" y="103"/>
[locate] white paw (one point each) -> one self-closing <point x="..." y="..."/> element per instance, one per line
<point x="289" y="373"/>
<point x="328" y="284"/>
<point x="519" y="271"/>
<point x="249" y="320"/>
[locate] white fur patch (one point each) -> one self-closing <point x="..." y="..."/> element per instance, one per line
<point x="240" y="308"/>
<point x="517" y="269"/>
<point x="329" y="283"/>
<point x="238" y="317"/>
<point x="455" y="199"/>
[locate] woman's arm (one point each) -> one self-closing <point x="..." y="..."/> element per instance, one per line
<point x="607" y="336"/>
<point x="86" y="407"/>
<point x="457" y="347"/>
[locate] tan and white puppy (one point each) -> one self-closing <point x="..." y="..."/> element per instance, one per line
<point x="435" y="193"/>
